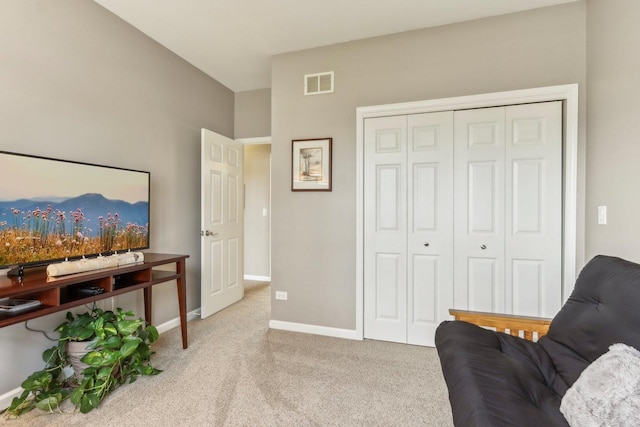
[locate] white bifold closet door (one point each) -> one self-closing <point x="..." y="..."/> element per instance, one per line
<point x="408" y="226"/>
<point x="508" y="209"/>
<point x="461" y="209"/>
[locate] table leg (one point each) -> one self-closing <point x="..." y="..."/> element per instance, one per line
<point x="182" y="299"/>
<point x="147" y="305"/>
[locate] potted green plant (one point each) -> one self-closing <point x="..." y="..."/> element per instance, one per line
<point x="117" y="351"/>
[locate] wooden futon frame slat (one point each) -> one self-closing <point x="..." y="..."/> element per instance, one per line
<point x="506" y="322"/>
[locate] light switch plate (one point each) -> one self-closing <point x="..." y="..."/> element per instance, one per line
<point x="602" y="215"/>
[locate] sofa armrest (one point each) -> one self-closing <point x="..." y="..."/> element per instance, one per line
<point x="503" y="322"/>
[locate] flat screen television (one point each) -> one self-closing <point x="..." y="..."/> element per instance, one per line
<point x="52" y="210"/>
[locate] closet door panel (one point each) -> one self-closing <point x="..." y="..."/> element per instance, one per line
<point x="385" y="239"/>
<point x="479" y="201"/>
<point x="430" y="224"/>
<point x="534" y="208"/>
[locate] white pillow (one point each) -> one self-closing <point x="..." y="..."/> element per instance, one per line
<point x="607" y="393"/>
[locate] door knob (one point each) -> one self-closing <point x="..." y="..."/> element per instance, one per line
<point x="483" y="247"/>
<point x="426" y="243"/>
<point x="208" y="233"/>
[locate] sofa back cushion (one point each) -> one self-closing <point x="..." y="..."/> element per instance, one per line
<point x="603" y="309"/>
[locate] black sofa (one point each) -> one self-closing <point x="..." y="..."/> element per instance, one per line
<point x="495" y="379"/>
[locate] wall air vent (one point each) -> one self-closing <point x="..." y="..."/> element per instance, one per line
<point x="315" y="84"/>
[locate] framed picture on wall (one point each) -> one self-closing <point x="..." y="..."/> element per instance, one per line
<point x="311" y="164"/>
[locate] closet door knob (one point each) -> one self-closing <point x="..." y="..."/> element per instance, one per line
<point x="483" y="247"/>
<point x="426" y="243"/>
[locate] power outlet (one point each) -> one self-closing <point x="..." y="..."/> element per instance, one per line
<point x="281" y="295"/>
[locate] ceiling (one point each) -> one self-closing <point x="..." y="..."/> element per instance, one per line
<point x="233" y="40"/>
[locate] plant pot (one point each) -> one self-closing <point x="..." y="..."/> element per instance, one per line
<point x="76" y="351"/>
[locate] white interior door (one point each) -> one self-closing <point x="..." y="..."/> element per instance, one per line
<point x="222" y="222"/>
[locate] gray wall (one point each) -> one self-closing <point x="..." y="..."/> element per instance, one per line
<point x="313" y="234"/>
<point x="613" y="125"/>
<point x="257" y="242"/>
<point x="253" y="113"/>
<point x="78" y="83"/>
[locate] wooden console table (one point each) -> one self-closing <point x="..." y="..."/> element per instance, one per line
<point x="57" y="293"/>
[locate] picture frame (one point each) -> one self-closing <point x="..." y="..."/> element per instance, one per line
<point x="311" y="162"/>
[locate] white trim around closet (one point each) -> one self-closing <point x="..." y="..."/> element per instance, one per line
<point x="566" y="93"/>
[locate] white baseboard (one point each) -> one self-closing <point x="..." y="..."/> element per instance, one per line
<point x="314" y="329"/>
<point x="5" y="399"/>
<point x="174" y="323"/>
<point x="257" y="278"/>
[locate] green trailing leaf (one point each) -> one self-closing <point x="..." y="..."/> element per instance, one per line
<point x="89" y="371"/>
<point x="153" y="333"/>
<point x="76" y="396"/>
<point x="88" y="383"/>
<point x="127" y="327"/>
<point x="81" y="334"/>
<point x="104" y="373"/>
<point x="49" y="403"/>
<point x="144" y="351"/>
<point x="111" y="342"/>
<point x="150" y="370"/>
<point x="92" y="344"/>
<point x="110" y="356"/>
<point x="98" y="323"/>
<point x="49" y="355"/>
<point x="125" y="313"/>
<point x="129" y="346"/>
<point x="37" y="380"/>
<point x="110" y="329"/>
<point x="89" y="402"/>
<point x="103" y="357"/>
<point x="93" y="358"/>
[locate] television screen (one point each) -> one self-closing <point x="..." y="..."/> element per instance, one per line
<point x="53" y="209"/>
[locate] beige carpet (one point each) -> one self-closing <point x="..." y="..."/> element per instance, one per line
<point x="238" y="372"/>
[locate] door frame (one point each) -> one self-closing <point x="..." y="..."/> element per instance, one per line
<point x="567" y="93"/>
<point x="261" y="140"/>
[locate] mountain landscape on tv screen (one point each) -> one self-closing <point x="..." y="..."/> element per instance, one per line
<point x="35" y="229"/>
